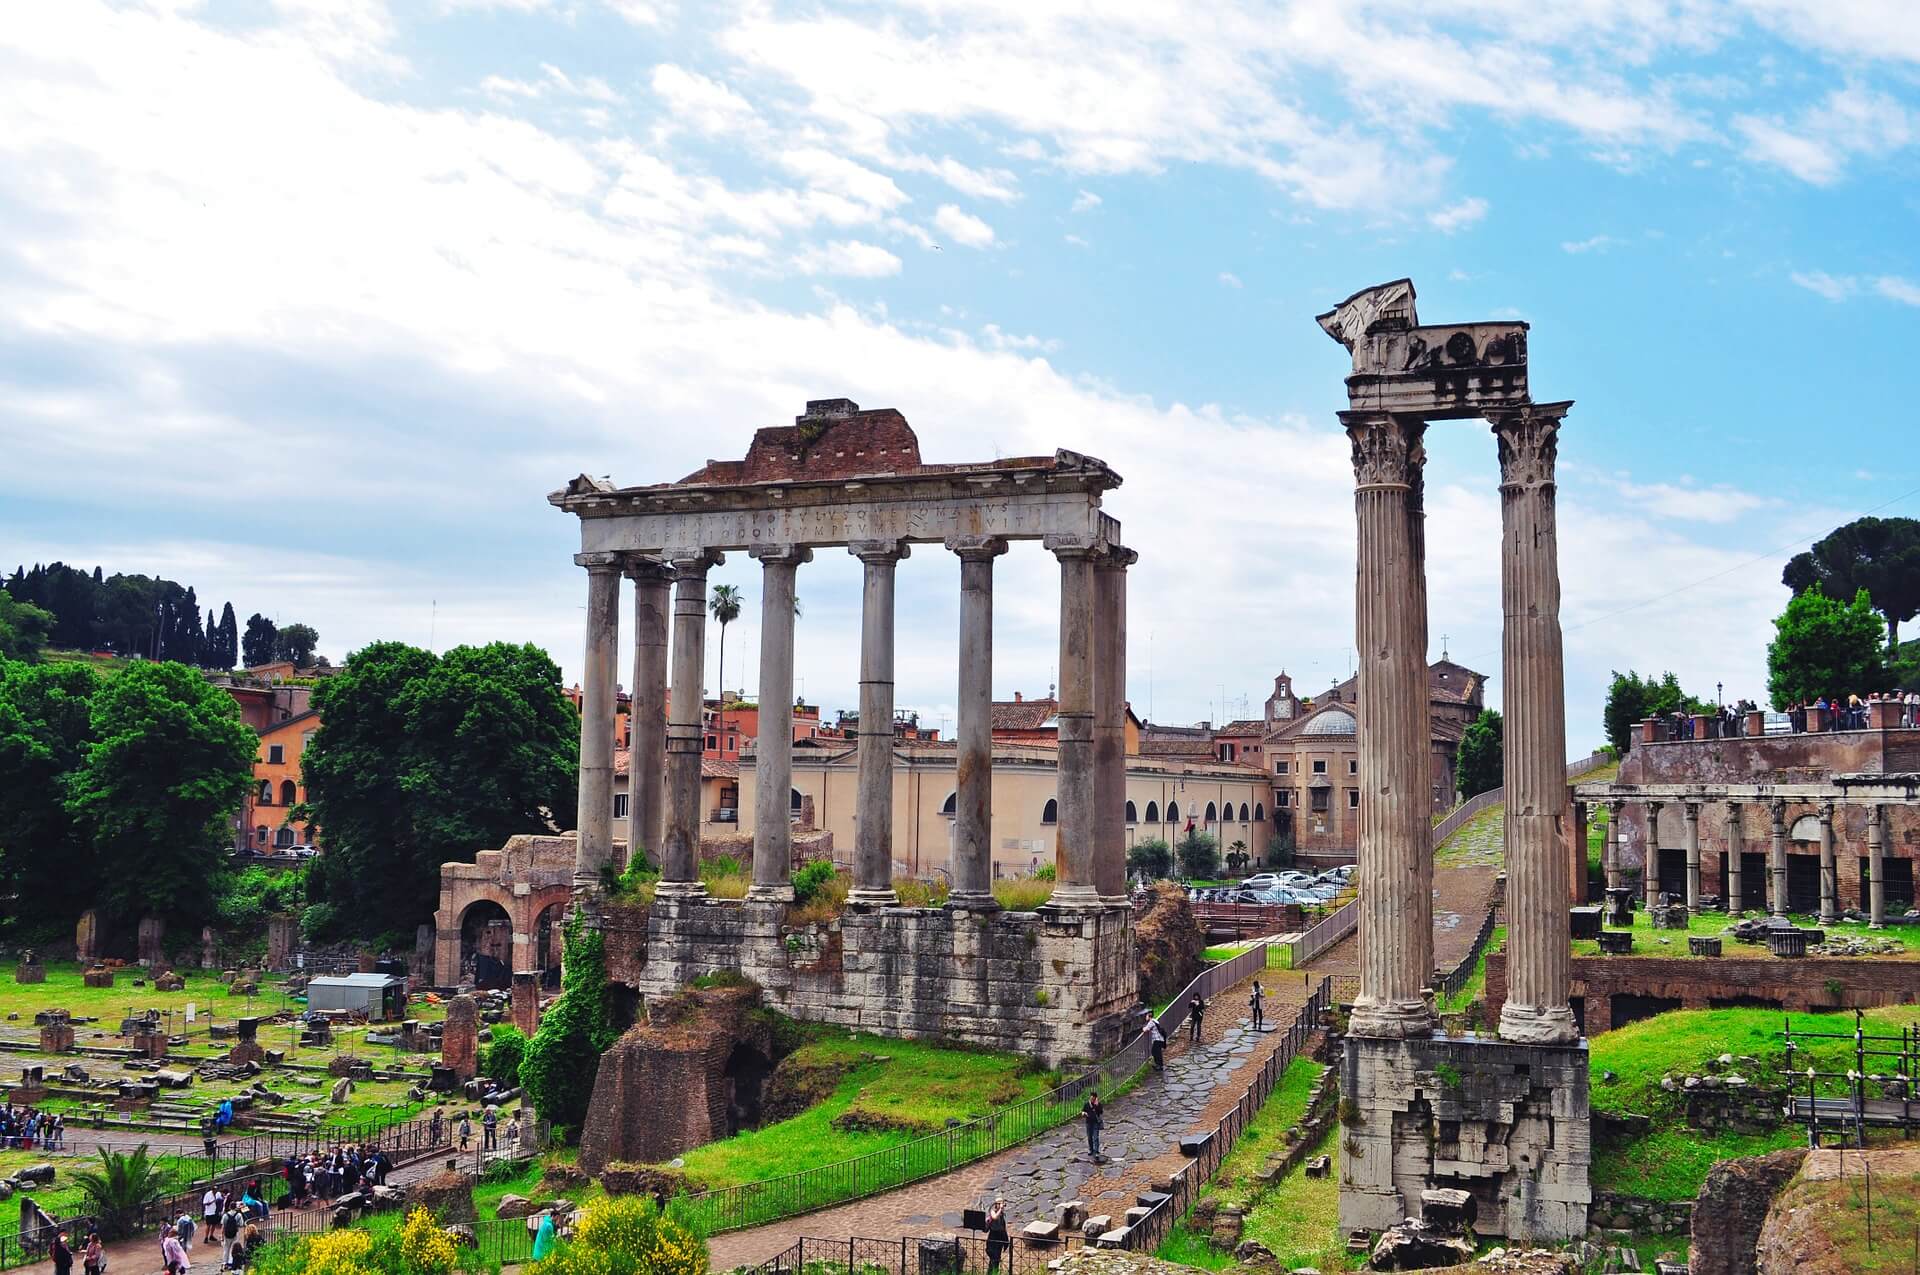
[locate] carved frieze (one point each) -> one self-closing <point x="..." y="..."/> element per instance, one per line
<point x="1387" y="450"/>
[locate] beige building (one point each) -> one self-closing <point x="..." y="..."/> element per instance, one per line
<point x="1164" y="798"/>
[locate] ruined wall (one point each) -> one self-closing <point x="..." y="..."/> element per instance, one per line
<point x="1796" y="985"/>
<point x="1055" y="987"/>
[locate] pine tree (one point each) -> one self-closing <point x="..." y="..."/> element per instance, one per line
<point x="259" y="645"/>
<point x="229" y="650"/>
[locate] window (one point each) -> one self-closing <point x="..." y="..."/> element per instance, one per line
<point x="1282" y="799"/>
<point x="1282" y="767"/>
<point x="793" y="800"/>
<point x="713" y="743"/>
<point x="1259" y="813"/>
<point x="1319" y="801"/>
<point x="951" y="804"/>
<point x="1243" y="812"/>
<point x="288" y="794"/>
<point x="1353" y="799"/>
<point x="1153" y="812"/>
<point x="276" y="754"/>
<point x="1050" y="813"/>
<point x="1213" y="813"/>
<point x="1133" y="816"/>
<point x="283" y="838"/>
<point x="733" y="743"/>
<point x="1173" y="812"/>
<point x="1353" y="767"/>
<point x="260" y="834"/>
<point x="1320" y="767"/>
<point x="266" y="792"/>
<point x="620" y="805"/>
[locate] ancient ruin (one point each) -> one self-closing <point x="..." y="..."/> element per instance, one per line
<point x="1054" y="983"/>
<point x="1506" y="1119"/>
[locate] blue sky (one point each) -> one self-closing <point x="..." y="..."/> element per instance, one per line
<point x="309" y="303"/>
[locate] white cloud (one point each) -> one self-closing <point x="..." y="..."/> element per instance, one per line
<point x="848" y="257"/>
<point x="1817" y="145"/>
<point x="1688" y="502"/>
<point x="1230" y="279"/>
<point x="1598" y="243"/>
<point x="978" y="183"/>
<point x="701" y="103"/>
<point x="1894" y="288"/>
<point x="1085" y="201"/>
<point x="962" y="227"/>
<point x="1833" y="288"/>
<point x="1458" y="216"/>
<point x="1078" y="242"/>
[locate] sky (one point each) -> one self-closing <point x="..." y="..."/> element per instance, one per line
<point x="310" y="303"/>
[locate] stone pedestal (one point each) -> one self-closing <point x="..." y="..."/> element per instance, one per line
<point x="1506" y="1122"/>
<point x="526" y="1000"/>
<point x="56" y="1034"/>
<point x="153" y="932"/>
<point x="86" y="938"/>
<point x="29" y="970"/>
<point x="283" y="937"/>
<point x="98" y="976"/>
<point x="460" y="1038"/>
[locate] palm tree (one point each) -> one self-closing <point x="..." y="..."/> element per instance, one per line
<point x="121" y="1189"/>
<point x="725" y="606"/>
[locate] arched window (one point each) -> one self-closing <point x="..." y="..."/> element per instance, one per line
<point x="260" y="834"/>
<point x="1259" y="813"/>
<point x="266" y="792"/>
<point x="1213" y="813"/>
<point x="1050" y="813"/>
<point x="793" y="800"/>
<point x="949" y="806"/>
<point x="288" y="793"/>
<point x="1153" y="812"/>
<point x="284" y="837"/>
<point x="1243" y="812"/>
<point x="1133" y="815"/>
<point x="1173" y="812"/>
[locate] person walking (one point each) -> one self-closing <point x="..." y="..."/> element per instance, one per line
<point x="173" y="1253"/>
<point x="1257" y="1002"/>
<point x="997" y="1240"/>
<point x="490" y="1129"/>
<point x="1157" y="1041"/>
<point x="1193" y="1018"/>
<point x="1095" y="1114"/>
<point x="466" y="1130"/>
<point x="513" y="1134"/>
<point x="184" y="1226"/>
<point x="543" y="1238"/>
<point x="61" y="1254"/>
<point x="229" y="1237"/>
<point x="435" y="1127"/>
<point x="94" y="1259"/>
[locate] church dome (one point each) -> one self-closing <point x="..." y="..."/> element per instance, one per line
<point x="1332" y="722"/>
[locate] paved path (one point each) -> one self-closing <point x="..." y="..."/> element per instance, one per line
<point x="1142" y="1137"/>
<point x="1460" y="897"/>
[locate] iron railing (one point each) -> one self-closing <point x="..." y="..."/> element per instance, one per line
<point x="1324" y="933"/>
<point x="31" y="1241"/>
<point x="1447" y="983"/>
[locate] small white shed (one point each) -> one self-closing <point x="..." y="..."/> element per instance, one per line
<point x="378" y="996"/>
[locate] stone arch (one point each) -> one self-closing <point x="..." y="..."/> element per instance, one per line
<point x="1243" y="812"/>
<point x="547" y="940"/>
<point x="1050" y="813"/>
<point x="1153" y="812"/>
<point x="485" y="933"/>
<point x="1805" y="828"/>
<point x="1133" y="813"/>
<point x="1259" y="813"/>
<point x="289" y="795"/>
<point x="1173" y="812"/>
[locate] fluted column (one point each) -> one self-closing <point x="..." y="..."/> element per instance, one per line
<point x="1612" y="857"/>
<point x="1652" y="882"/>
<point x="873" y="819"/>
<point x="1110" y="723"/>
<point x="973" y="740"/>
<point x="1736" y="846"/>
<point x="1538" y="953"/>
<point x="1075" y="836"/>
<point x="1877" y="867"/>
<point x="647" y="753"/>
<point x="773" y="750"/>
<point x="1690" y="810"/>
<point x="1829" y="871"/>
<point x="1396" y="863"/>
<point x="680" y="860"/>
<point x="1777" y="862"/>
<point x="599" y="691"/>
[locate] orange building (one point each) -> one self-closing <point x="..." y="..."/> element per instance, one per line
<point x="263" y="824"/>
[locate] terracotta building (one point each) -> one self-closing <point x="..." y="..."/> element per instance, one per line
<point x="264" y="822"/>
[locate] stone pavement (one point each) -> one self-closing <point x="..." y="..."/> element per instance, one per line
<point x="1143" y="1131"/>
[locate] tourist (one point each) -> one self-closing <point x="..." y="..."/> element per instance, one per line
<point x="184" y="1225"/>
<point x="513" y="1135"/>
<point x="490" y="1128"/>
<point x="229" y="1237"/>
<point x="997" y="1240"/>
<point x="94" y="1259"/>
<point x="543" y="1238"/>
<point x="435" y="1127"/>
<point x="1194" y="1016"/>
<point x="1256" y="1001"/>
<point x="62" y="1255"/>
<point x="210" y="1209"/>
<point x="466" y="1130"/>
<point x="1157" y="1041"/>
<point x="173" y="1253"/>
<point x="1095" y="1114"/>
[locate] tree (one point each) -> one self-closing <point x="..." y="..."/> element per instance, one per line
<point x="1199" y="855"/>
<point x="46" y="727"/>
<point x="121" y="1189"/>
<point x="1823" y="647"/>
<point x="505" y="1054"/>
<point x="261" y="643"/>
<point x="564" y="1055"/>
<point x="229" y="650"/>
<point x="1481" y="766"/>
<point x="1152" y="858"/>
<point x="168" y="767"/>
<point x="1880" y="555"/>
<point x="24" y="628"/>
<point x="1238" y="858"/>
<point x="725" y="606"/>
<point x="1632" y="699"/>
<point x="423" y="759"/>
<point x="295" y="643"/>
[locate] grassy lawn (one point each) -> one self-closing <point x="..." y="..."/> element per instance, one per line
<point x="1233" y="1181"/>
<point x="1648" y="941"/>
<point x="1476" y="984"/>
<point x="874" y="1105"/>
<point x="1670" y="1163"/>
<point x="1299" y="1219"/>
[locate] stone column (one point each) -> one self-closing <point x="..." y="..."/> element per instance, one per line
<point x="1110" y="723"/>
<point x="686" y="740"/>
<point x="1651" y="884"/>
<point x="1876" y="866"/>
<point x="1612" y="853"/>
<point x="1691" y="811"/>
<point x="1777" y="862"/>
<point x="1075" y="836"/>
<point x="1395" y="852"/>
<point x="1829" y="870"/>
<point x="599" y="690"/>
<point x="1736" y="845"/>
<point x="1538" y="955"/>
<point x="873" y="817"/>
<point x="973" y="741"/>
<point x="647" y="754"/>
<point x="773" y="751"/>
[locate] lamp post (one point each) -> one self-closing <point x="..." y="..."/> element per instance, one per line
<point x="1719" y="694"/>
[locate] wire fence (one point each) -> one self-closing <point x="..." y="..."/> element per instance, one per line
<point x="1448" y="983"/>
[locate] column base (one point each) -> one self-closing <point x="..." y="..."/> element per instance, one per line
<point x="771" y="892"/>
<point x="680" y="890"/>
<point x="1397" y="1020"/>
<point x="974" y="902"/>
<point x="1537" y="1025"/>
<point x="1074" y="898"/>
<point x="869" y="897"/>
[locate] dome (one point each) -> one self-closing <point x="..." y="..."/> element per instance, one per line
<point x="1332" y="722"/>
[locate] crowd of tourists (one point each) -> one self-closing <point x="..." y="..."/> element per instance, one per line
<point x="325" y="1176"/>
<point x="24" y="1128"/>
<point x="1852" y="712"/>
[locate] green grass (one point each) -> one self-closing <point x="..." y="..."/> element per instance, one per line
<point x="1840" y="1213"/>
<point x="1192" y="1248"/>
<point x="1648" y="941"/>
<point x="1480" y="842"/>
<point x="1299" y="1219"/>
<point x="1476" y="984"/>
<point x="1233" y="1181"/>
<point x="911" y="1096"/>
<point x="1670" y="1163"/>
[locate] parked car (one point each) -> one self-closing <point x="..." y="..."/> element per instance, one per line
<point x="301" y="852"/>
<point x="1261" y="881"/>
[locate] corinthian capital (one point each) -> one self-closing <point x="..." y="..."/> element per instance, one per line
<point x="1387" y="449"/>
<point x="1529" y="438"/>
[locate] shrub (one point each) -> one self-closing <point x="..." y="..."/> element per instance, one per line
<point x="505" y="1054"/>
<point x="564" y="1055"/>
<point x="723" y="978"/>
<point x="915" y="893"/>
<point x="120" y="1190"/>
<point x="811" y="880"/>
<point x="1199" y="855"/>
<point x="1023" y="894"/>
<point x="1151" y="858"/>
<point x="629" y="1235"/>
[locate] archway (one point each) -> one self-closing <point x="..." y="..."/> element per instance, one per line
<point x="548" y="943"/>
<point x="486" y="944"/>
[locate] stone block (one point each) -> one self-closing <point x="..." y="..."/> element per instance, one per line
<point x="1097" y="1225"/>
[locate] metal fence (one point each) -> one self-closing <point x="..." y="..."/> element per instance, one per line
<point x="973" y="1252"/>
<point x="1448" y="982"/>
<point x="32" y="1240"/>
<point x="1326" y="932"/>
